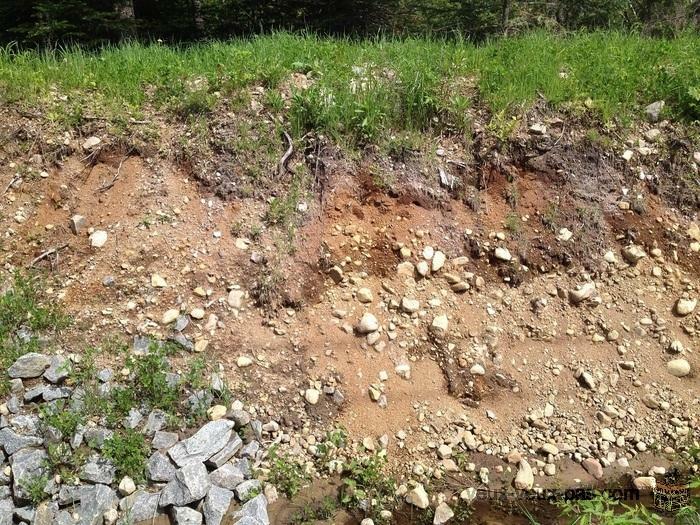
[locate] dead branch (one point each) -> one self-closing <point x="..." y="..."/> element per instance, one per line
<point x="48" y="253"/>
<point x="14" y="179"/>
<point x="109" y="185"/>
<point x="285" y="158"/>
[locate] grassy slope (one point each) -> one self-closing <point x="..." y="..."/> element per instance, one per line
<point x="363" y="88"/>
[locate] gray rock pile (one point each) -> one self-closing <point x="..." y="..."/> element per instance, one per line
<point x="196" y="480"/>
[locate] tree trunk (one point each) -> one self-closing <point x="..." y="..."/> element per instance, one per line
<point x="125" y="9"/>
<point x="198" y="18"/>
<point x="505" y="15"/>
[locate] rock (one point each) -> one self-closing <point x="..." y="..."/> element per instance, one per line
<point x="418" y="497"/>
<point x="438" y="261"/>
<point x="538" y="128"/>
<point x="632" y="254"/>
<point x="190" y="484"/>
<point x="127" y="486"/>
<point x="157" y="281"/>
<point x="422" y="268"/>
<point x="653" y="110"/>
<point x="159" y="468"/>
<point x="336" y="273"/>
<point x="98" y="470"/>
<point x="253" y="512"/>
<point x="11" y="441"/>
<point x="406" y="269"/>
<point x="645" y="483"/>
<point x="216" y="412"/>
<point x="26" y="464"/>
<point x="197" y="313"/>
<point x="409" y="305"/>
<point x="95" y="500"/>
<point x="216" y="505"/>
<point x="226" y="453"/>
<point x="6" y="510"/>
<point x="244" y="361"/>
<point x="230" y="475"/>
<point x="685" y="306"/>
<point x="368" y="324"/>
<point x="186" y="516"/>
<point x="312" y="396"/>
<point x="77" y="223"/>
<point x="678" y="367"/>
<point x="443" y="514"/>
<point x="364" y="295"/>
<point x="98" y="238"/>
<point x="235" y="299"/>
<point x="587" y="380"/>
<point x="141" y="506"/>
<point x="91" y="143"/>
<point x="565" y="235"/>
<point x="170" y="316"/>
<point x="110" y="517"/>
<point x="582" y="292"/>
<point x="502" y="254"/>
<point x="58" y="370"/>
<point x="246" y="490"/>
<point x="607" y="435"/>
<point x="593" y="467"/>
<point x="440" y="324"/>
<point x="29" y="366"/>
<point x="200" y="345"/>
<point x="157" y="419"/>
<point x="477" y="370"/>
<point x="524" y="479"/>
<point x="164" y="440"/>
<point x="549" y="448"/>
<point x="208" y="440"/>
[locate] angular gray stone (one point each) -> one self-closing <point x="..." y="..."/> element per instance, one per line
<point x="187" y="516"/>
<point x="27" y="464"/>
<point x="98" y="470"/>
<point x="45" y="513"/>
<point x="157" y="420"/>
<point x="160" y="468"/>
<point x="245" y="490"/>
<point x="11" y="441"/>
<point x="133" y="419"/>
<point x="51" y="393"/>
<point x="226" y="453"/>
<point x="208" y="440"/>
<point x="250" y="450"/>
<point x="230" y="475"/>
<point x="64" y="518"/>
<point x="190" y="484"/>
<point x="163" y="440"/>
<point x="58" y="370"/>
<point x="29" y="366"/>
<point x="95" y="500"/>
<point x="6" y="511"/>
<point x="34" y="393"/>
<point x="254" y="512"/>
<point x="68" y="495"/>
<point x="140" y="506"/>
<point x="216" y="505"/>
<point x="96" y="436"/>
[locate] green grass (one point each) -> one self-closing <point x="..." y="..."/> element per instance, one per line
<point x="360" y="89"/>
<point x="129" y="452"/>
<point x="22" y="306"/>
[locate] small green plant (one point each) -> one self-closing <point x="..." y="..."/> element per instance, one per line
<point x="61" y="417"/>
<point x="366" y="481"/>
<point x="150" y="381"/>
<point x="512" y="195"/>
<point x="35" y="488"/>
<point x="128" y="452"/>
<point x="604" y="510"/>
<point x="311" y="513"/>
<point x="64" y="461"/>
<point x="286" y="474"/>
<point x="514" y="224"/>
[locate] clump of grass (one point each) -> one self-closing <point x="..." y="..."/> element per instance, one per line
<point x="603" y="509"/>
<point x="61" y="417"/>
<point x="128" y="452"/>
<point x="35" y="488"/>
<point x="22" y="306"/>
<point x="313" y="512"/>
<point x="64" y="461"/>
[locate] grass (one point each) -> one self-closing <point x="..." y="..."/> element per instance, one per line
<point x="23" y="307"/>
<point x="129" y="452"/>
<point x="286" y="474"/>
<point x="360" y="89"/>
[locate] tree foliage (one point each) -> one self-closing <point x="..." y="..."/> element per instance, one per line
<point x="94" y="22"/>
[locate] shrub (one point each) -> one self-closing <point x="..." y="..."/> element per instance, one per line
<point x="128" y="452"/>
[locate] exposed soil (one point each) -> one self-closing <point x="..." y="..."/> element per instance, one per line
<point x="514" y="320"/>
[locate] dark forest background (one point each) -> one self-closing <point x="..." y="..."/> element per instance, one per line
<point x="96" y="22"/>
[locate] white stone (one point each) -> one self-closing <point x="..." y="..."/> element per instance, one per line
<point x="98" y="238"/>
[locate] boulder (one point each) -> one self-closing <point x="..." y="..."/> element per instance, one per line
<point x="216" y="505"/>
<point x="253" y="512"/>
<point x="208" y="441"/>
<point x="29" y="366"/>
<point x="190" y="484"/>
